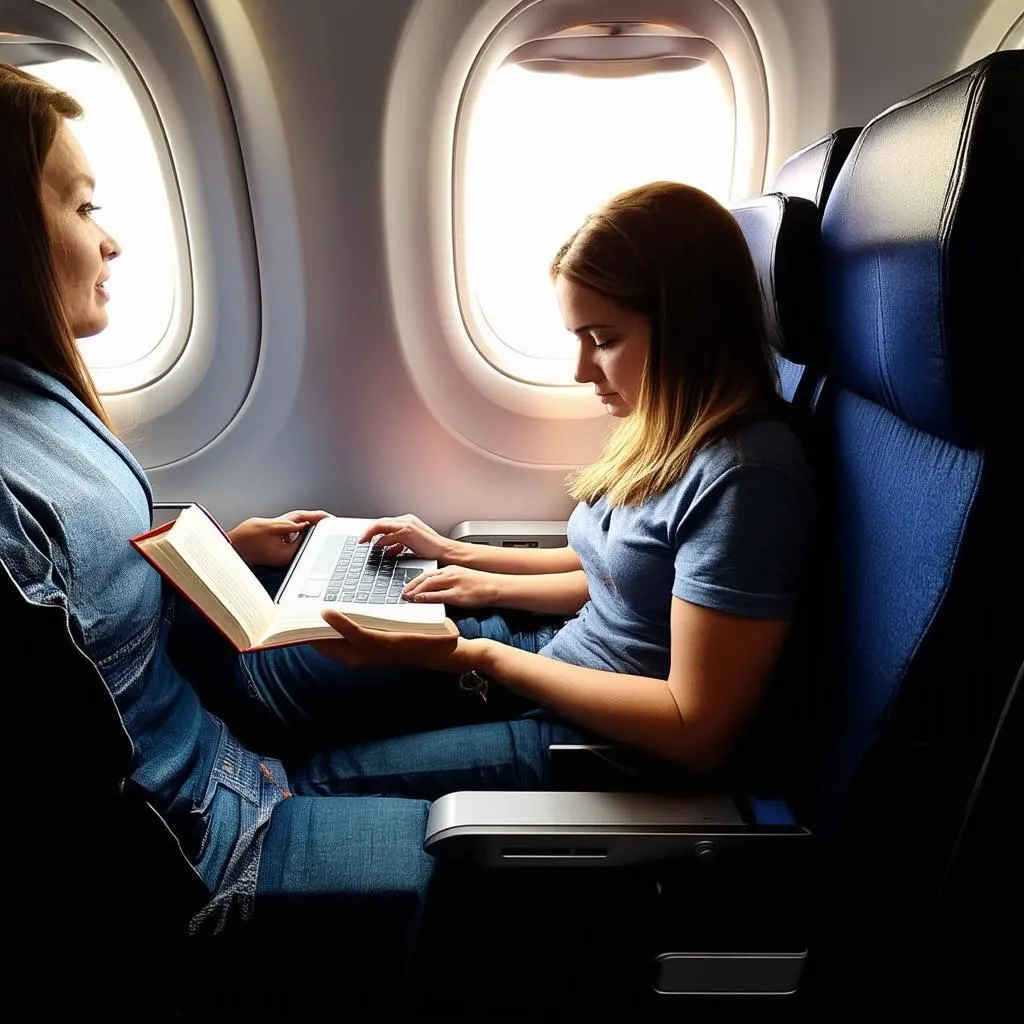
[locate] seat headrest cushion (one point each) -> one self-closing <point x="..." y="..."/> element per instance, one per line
<point x="923" y="256"/>
<point x="812" y="171"/>
<point x="782" y="233"/>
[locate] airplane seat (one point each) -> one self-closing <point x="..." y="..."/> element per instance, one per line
<point x="921" y="264"/>
<point x="749" y="870"/>
<point x="809" y="174"/>
<point x="812" y="171"/>
<point x="922" y="599"/>
<point x="121" y="868"/>
<point x="782" y="233"/>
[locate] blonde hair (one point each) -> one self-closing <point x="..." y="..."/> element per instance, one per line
<point x="673" y="253"/>
<point x="34" y="326"/>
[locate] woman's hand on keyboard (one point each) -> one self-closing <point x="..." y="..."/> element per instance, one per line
<point x="454" y="585"/>
<point x="272" y="541"/>
<point x="408" y="532"/>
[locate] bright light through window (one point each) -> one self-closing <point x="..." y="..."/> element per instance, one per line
<point x="543" y="151"/>
<point x="134" y="209"/>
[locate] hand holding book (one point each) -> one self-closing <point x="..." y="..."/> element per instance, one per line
<point x="371" y="648"/>
<point x="272" y="541"/>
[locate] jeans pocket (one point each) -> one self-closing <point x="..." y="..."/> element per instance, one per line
<point x="218" y="812"/>
<point x="221" y="819"/>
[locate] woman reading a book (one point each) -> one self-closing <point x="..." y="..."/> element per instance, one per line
<point x="661" y="620"/>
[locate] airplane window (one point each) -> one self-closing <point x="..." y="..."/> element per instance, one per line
<point x="1014" y="39"/>
<point x="543" y="150"/>
<point x="134" y="208"/>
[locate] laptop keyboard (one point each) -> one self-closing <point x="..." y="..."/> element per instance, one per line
<point x="363" y="575"/>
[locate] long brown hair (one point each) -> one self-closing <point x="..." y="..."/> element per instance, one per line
<point x="673" y="253"/>
<point x="34" y="326"/>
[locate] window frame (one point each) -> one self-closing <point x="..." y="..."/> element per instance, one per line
<point x="490" y="412"/>
<point x="1014" y="37"/>
<point x="503" y="357"/>
<point x="1000" y="27"/>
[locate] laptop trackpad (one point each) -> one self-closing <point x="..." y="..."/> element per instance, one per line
<point x="312" y="588"/>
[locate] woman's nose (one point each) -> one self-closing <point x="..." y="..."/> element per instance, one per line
<point x="109" y="249"/>
<point x="584" y="367"/>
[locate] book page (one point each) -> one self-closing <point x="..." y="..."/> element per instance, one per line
<point x="219" y="566"/>
<point x="290" y="624"/>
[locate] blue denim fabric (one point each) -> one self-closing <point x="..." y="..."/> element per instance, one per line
<point x="240" y="797"/>
<point x="293" y="699"/>
<point x="71" y="496"/>
<point x="390" y="732"/>
<point x="489" y="755"/>
<point x="340" y="896"/>
<point x="309" y="693"/>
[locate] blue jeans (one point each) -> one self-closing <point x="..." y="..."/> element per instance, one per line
<point x="346" y="881"/>
<point x="340" y="895"/>
<point x="391" y="732"/>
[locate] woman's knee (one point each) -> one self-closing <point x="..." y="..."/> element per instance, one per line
<point x="345" y="849"/>
<point x="340" y="898"/>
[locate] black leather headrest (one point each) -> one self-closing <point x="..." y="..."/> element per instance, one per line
<point x="923" y="256"/>
<point x="782" y="233"/>
<point x="812" y="171"/>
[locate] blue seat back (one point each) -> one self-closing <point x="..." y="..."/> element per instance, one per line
<point x="808" y="176"/>
<point x="923" y="606"/>
<point x="782" y="234"/>
<point x="812" y="171"/>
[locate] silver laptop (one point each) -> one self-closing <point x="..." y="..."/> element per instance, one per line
<point x="332" y="568"/>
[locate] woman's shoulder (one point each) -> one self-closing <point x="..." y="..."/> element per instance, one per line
<point x="769" y="442"/>
<point x="757" y="447"/>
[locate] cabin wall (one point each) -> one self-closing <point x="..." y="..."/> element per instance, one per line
<point x="333" y="419"/>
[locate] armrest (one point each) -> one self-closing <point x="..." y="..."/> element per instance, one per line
<point x="543" y="829"/>
<point x="512" y="533"/>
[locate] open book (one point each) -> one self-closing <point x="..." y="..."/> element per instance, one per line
<point x="194" y="553"/>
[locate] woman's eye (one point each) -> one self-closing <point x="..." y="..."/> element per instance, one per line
<point x="87" y="209"/>
<point x="608" y="342"/>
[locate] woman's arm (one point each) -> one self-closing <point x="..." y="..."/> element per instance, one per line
<point x="411" y="532"/>
<point x="521" y="561"/>
<point x="560" y="593"/>
<point x="719" y="667"/>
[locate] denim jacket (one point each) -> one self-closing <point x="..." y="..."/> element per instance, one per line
<point x="71" y="496"/>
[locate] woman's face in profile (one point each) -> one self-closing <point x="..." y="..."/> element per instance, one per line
<point x="614" y="344"/>
<point x="81" y="248"/>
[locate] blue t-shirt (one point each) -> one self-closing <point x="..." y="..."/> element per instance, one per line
<point x="732" y="534"/>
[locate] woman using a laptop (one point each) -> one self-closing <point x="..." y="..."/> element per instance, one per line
<point x="659" y="624"/>
<point x="661" y="620"/>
